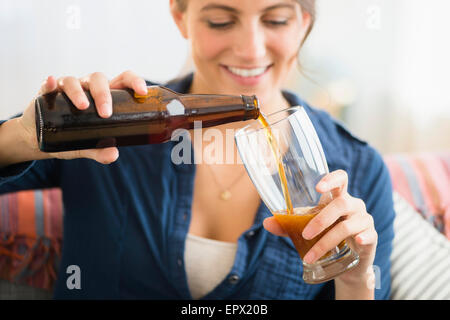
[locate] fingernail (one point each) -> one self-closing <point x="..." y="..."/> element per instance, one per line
<point x="84" y="102"/>
<point x="322" y="185"/>
<point x="106" y="110"/>
<point x="361" y="239"/>
<point x="307" y="234"/>
<point x="310" y="257"/>
<point x="144" y="88"/>
<point x="81" y="103"/>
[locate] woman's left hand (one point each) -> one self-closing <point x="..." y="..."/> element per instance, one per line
<point x="355" y="226"/>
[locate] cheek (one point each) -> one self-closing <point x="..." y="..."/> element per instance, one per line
<point x="207" y="45"/>
<point x="285" y="46"/>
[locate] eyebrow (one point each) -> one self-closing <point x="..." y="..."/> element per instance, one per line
<point x="212" y="6"/>
<point x="280" y="5"/>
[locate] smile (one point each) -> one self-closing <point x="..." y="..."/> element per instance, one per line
<point x="246" y="73"/>
<point x="247" y="76"/>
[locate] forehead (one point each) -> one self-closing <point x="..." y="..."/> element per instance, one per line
<point x="241" y="6"/>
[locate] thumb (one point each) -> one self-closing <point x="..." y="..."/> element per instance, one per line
<point x="48" y="85"/>
<point x="103" y="155"/>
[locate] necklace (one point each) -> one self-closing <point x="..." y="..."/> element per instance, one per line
<point x="225" y="194"/>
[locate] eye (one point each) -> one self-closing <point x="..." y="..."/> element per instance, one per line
<point x="221" y="25"/>
<point x="276" y="23"/>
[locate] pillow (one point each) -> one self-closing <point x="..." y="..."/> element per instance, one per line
<point x="31" y="236"/>
<point x="423" y="179"/>
<point x="420" y="260"/>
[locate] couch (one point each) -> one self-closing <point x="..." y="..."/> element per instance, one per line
<point x="31" y="233"/>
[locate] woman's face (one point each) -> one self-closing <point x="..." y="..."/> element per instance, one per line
<point x="243" y="46"/>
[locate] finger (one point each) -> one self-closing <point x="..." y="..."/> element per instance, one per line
<point x="48" y="85"/>
<point x="72" y="87"/>
<point x="331" y="239"/>
<point x="325" y="198"/>
<point x="335" y="182"/>
<point x="104" y="155"/>
<point x="272" y="225"/>
<point x="129" y="79"/>
<point x="99" y="88"/>
<point x="344" y="205"/>
<point x="368" y="236"/>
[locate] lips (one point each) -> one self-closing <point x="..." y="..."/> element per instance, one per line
<point x="254" y="72"/>
<point x="247" y="75"/>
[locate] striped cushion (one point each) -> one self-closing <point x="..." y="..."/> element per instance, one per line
<point x="420" y="258"/>
<point x="424" y="181"/>
<point x="31" y="236"/>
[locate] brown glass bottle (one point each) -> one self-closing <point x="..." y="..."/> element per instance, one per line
<point x="136" y="120"/>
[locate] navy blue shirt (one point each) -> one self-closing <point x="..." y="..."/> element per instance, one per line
<point x="125" y="224"/>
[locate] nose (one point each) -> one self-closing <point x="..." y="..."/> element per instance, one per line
<point x="250" y="43"/>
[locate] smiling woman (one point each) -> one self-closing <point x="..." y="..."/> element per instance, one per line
<point x="240" y="47"/>
<point x="151" y="228"/>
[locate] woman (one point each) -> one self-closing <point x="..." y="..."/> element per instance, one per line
<point x="141" y="227"/>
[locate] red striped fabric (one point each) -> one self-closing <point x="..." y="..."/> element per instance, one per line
<point x="26" y="256"/>
<point x="424" y="181"/>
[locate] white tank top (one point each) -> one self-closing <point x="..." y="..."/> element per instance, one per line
<point x="207" y="263"/>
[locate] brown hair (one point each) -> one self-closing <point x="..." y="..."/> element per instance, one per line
<point x="307" y="5"/>
<point x="310" y="7"/>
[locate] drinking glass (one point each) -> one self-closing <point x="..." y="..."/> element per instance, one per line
<point x="290" y="147"/>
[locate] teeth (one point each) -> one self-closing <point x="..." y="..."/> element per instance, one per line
<point x="247" y="72"/>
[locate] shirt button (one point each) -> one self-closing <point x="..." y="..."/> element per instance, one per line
<point x="180" y="262"/>
<point x="250" y="234"/>
<point x="233" y="279"/>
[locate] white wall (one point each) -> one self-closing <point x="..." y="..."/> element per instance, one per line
<point x="394" y="56"/>
<point x="70" y="37"/>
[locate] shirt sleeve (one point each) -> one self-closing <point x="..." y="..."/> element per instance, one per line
<point x="376" y="190"/>
<point x="37" y="174"/>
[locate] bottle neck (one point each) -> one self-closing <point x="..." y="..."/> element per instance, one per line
<point x="251" y="106"/>
<point x="215" y="110"/>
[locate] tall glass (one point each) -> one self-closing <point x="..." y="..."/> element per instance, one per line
<point x="295" y="153"/>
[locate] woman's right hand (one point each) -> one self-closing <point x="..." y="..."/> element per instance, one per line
<point x="99" y="87"/>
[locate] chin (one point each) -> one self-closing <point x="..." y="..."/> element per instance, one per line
<point x="261" y="91"/>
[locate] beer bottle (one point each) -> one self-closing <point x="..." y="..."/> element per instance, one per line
<point x="136" y="120"/>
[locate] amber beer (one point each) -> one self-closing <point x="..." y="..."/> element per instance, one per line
<point x="136" y="120"/>
<point x="293" y="220"/>
<point x="293" y="225"/>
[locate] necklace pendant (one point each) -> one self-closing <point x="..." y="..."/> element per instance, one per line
<point x="225" y="195"/>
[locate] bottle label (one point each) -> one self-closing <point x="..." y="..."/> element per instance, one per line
<point x="175" y="108"/>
